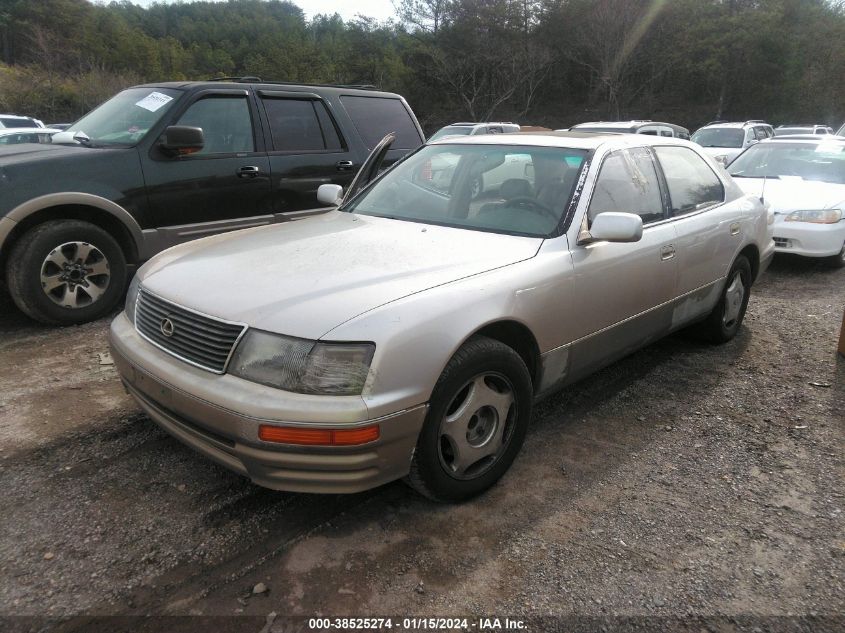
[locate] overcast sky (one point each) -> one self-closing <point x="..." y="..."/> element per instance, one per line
<point x="348" y="9"/>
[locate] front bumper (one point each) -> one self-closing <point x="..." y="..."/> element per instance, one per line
<point x="808" y="239"/>
<point x="191" y="404"/>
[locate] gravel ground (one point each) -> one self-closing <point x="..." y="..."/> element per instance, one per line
<point x="686" y="487"/>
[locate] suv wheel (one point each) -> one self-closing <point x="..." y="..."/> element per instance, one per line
<point x="476" y="422"/>
<point x="65" y="272"/>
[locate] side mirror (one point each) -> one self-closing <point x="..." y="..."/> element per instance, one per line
<point x="614" y="227"/>
<point x="753" y="141"/>
<point x="330" y="194"/>
<point x="179" y="140"/>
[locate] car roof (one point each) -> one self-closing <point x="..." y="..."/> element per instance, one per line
<point x="270" y="85"/>
<point x="805" y="138"/>
<point x="734" y="124"/>
<point x="572" y="140"/>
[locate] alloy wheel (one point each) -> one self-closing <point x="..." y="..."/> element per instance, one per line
<point x="75" y="274"/>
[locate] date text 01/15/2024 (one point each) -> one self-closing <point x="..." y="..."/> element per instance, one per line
<point x="416" y="624"/>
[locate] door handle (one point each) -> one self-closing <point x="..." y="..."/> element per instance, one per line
<point x="248" y="171"/>
<point x="344" y="165"/>
<point x="735" y="228"/>
<point x="667" y="252"/>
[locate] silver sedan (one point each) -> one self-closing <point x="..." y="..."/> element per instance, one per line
<point x="408" y="332"/>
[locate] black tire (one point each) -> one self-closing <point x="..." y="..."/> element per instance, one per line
<point x="716" y="328"/>
<point x="94" y="296"/>
<point x="836" y="261"/>
<point x="500" y="367"/>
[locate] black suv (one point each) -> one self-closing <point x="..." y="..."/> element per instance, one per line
<point x="164" y="163"/>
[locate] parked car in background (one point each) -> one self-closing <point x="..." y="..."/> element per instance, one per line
<point x="725" y="141"/>
<point x="60" y="126"/>
<point x="408" y="332"/>
<point x="792" y="130"/>
<point x="803" y="179"/>
<point x="165" y="163"/>
<point x="654" y="128"/>
<point x="15" y="120"/>
<point x="18" y="135"/>
<point x="473" y="129"/>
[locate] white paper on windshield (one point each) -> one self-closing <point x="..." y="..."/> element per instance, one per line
<point x="154" y="101"/>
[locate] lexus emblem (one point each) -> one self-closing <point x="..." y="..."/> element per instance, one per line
<point x="167" y="328"/>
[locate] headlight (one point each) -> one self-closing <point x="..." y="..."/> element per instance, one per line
<point x="301" y="365"/>
<point x="131" y="298"/>
<point x="816" y="216"/>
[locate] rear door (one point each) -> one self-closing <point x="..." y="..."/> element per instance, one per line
<point x="708" y="230"/>
<point x="306" y="149"/>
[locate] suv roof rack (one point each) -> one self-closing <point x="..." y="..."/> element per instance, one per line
<point x="716" y="121"/>
<point x="755" y="121"/>
<point x="258" y="80"/>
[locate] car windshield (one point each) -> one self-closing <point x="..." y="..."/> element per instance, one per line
<point x="719" y="137"/>
<point x="451" y="130"/>
<point x="824" y="162"/>
<point x="122" y="120"/>
<point x="518" y="190"/>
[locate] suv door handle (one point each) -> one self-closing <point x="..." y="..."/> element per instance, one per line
<point x="248" y="171"/>
<point x="735" y="228"/>
<point x="344" y="165"/>
<point x="667" y="252"/>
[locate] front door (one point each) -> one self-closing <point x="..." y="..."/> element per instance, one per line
<point x="623" y="291"/>
<point x="226" y="184"/>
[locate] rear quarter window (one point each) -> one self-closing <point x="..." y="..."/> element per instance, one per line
<point x="375" y="117"/>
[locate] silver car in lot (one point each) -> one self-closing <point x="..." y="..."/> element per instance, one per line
<point x="409" y="332"/>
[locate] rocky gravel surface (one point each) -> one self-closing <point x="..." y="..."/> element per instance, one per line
<point x="687" y="487"/>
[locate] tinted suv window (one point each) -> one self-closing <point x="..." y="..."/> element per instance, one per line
<point x="375" y="117"/>
<point x="692" y="184"/>
<point x="225" y="123"/>
<point x="628" y="183"/>
<point x="300" y="125"/>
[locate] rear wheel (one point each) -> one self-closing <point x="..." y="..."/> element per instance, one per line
<point x="65" y="272"/>
<point x="476" y="423"/>
<point x="724" y="321"/>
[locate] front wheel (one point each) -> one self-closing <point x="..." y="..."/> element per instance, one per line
<point x="722" y="324"/>
<point x="837" y="261"/>
<point x="477" y="419"/>
<point x="65" y="272"/>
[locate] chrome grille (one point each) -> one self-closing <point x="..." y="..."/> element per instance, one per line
<point x="195" y="338"/>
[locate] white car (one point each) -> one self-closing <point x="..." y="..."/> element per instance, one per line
<point x="18" y="135"/>
<point x="18" y="121"/>
<point x="802" y="178"/>
<point x="725" y="141"/>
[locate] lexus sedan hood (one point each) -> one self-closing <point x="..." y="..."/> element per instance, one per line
<point x="792" y="193"/>
<point x="306" y="277"/>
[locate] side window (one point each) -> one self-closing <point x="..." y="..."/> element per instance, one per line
<point x="226" y="124"/>
<point x="761" y="134"/>
<point x="375" y="117"/>
<point x="692" y="184"/>
<point x="628" y="183"/>
<point x="300" y="125"/>
<point x="750" y="135"/>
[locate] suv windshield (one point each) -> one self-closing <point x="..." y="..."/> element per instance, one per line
<point x="122" y="120"/>
<point x="719" y="137"/>
<point x="824" y="162"/>
<point x="451" y="130"/>
<point x="517" y="190"/>
<point x="10" y="122"/>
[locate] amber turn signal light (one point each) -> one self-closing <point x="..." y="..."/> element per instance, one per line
<point x="318" y="437"/>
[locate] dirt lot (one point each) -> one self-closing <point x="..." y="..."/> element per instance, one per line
<point x="686" y="481"/>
